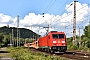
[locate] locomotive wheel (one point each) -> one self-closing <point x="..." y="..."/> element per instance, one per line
<point x="48" y="50"/>
<point x="51" y="51"/>
<point x="45" y="50"/>
<point x="39" y="49"/>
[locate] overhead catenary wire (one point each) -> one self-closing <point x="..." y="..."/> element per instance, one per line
<point x="81" y="14"/>
<point x="80" y="23"/>
<point x="61" y="7"/>
<point x="67" y="15"/>
<point x="59" y="10"/>
<point x="47" y="9"/>
<point x="51" y="6"/>
<point x="48" y="6"/>
<point x="80" y="9"/>
<point x="62" y="13"/>
<point x="85" y="18"/>
<point x="63" y="17"/>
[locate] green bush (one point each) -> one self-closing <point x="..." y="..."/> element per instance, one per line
<point x="72" y="47"/>
<point x="80" y="48"/>
<point x="85" y="48"/>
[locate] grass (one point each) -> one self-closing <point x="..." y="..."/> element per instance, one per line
<point x="19" y="53"/>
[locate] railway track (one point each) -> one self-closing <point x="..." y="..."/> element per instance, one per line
<point x="70" y="55"/>
<point x="76" y="56"/>
<point x="4" y="54"/>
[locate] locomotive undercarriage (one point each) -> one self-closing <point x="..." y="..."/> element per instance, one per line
<point x="54" y="49"/>
<point x="59" y="48"/>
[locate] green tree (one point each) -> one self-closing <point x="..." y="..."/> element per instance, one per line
<point x="6" y="40"/>
<point x="87" y="31"/>
<point x="86" y="36"/>
<point x="1" y="39"/>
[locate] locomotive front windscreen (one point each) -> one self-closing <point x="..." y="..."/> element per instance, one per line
<point x="58" y="36"/>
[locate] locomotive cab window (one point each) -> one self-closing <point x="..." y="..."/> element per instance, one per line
<point x="55" y="35"/>
<point x="61" y="35"/>
<point x="58" y="36"/>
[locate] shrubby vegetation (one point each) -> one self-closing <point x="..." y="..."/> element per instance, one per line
<point x="82" y="42"/>
<point x="4" y="40"/>
<point x="19" y="53"/>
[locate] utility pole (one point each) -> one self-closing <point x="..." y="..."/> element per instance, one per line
<point x="74" y="23"/>
<point x="17" y="29"/>
<point x="19" y="37"/>
<point x="80" y="36"/>
<point x="47" y="29"/>
<point x="12" y="37"/>
<point x="10" y="41"/>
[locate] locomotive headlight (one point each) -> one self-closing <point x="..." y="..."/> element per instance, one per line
<point x="63" y="41"/>
<point x="54" y="41"/>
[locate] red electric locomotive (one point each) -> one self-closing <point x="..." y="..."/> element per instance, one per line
<point x="53" y="42"/>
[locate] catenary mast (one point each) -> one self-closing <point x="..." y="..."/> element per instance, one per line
<point x="74" y="23"/>
<point x="17" y="29"/>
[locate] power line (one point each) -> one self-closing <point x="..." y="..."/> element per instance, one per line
<point x="51" y="6"/>
<point x="74" y="24"/>
<point x="63" y="17"/>
<point x="81" y="13"/>
<point x="69" y="14"/>
<point x="48" y="7"/>
<point x="68" y="25"/>
<point x="85" y="16"/>
<point x="61" y="7"/>
<point x="82" y="7"/>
